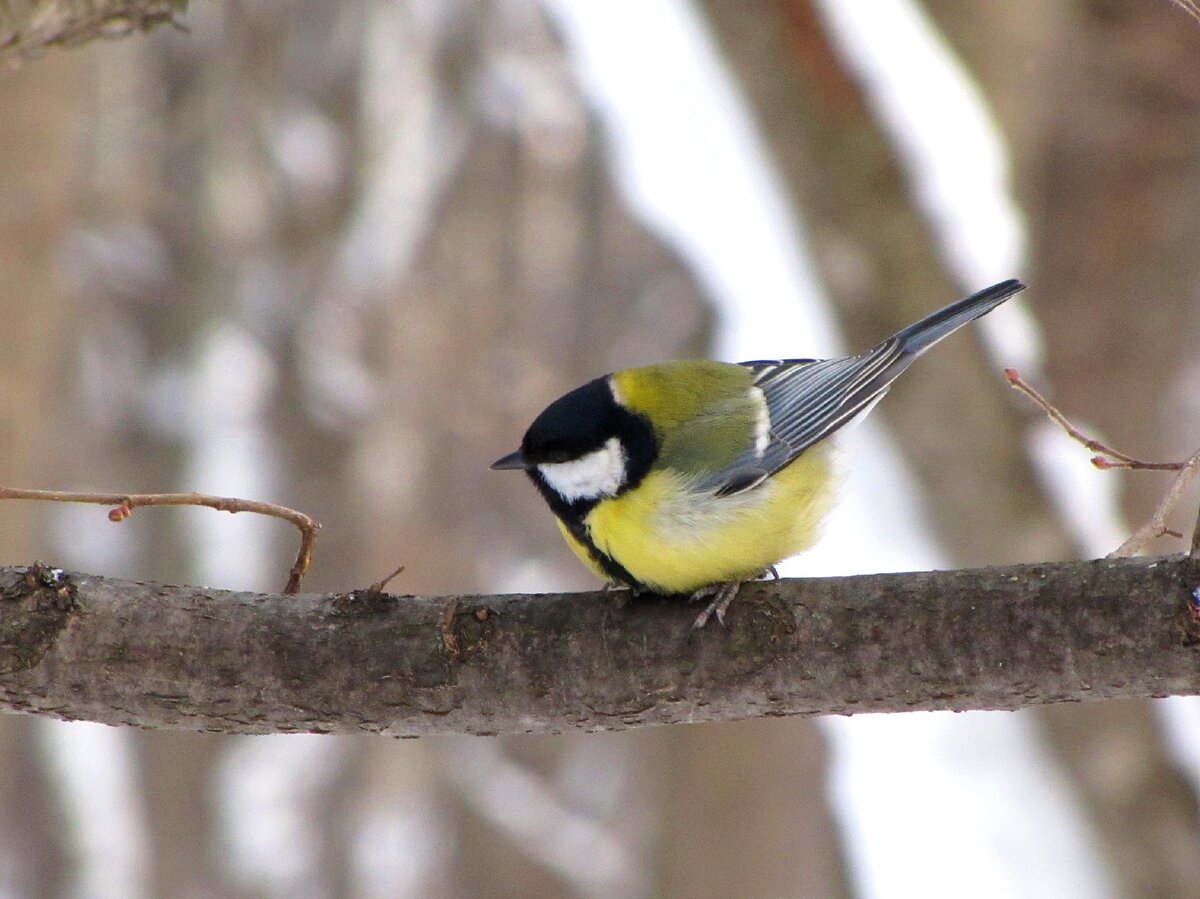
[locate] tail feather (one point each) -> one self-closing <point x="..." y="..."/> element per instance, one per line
<point x="809" y="399"/>
<point x="917" y="338"/>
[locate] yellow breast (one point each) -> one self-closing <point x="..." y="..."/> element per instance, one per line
<point x="675" y="540"/>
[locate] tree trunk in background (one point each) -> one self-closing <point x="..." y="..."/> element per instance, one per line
<point x="952" y="414"/>
<point x="1114" y="200"/>
<point x="1109" y="168"/>
<point x="43" y="113"/>
<point x="151" y="283"/>
<point x="757" y="784"/>
<point x="952" y="418"/>
<point x="176" y="777"/>
<point x="222" y="113"/>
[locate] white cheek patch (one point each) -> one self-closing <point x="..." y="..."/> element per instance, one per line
<point x="599" y="473"/>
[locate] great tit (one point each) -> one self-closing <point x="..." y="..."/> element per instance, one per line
<point x="691" y="477"/>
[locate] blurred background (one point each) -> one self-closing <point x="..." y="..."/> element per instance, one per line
<point x="338" y="255"/>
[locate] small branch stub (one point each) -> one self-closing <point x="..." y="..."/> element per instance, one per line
<point x="379" y="585"/>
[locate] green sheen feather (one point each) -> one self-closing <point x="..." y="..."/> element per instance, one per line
<point x="703" y="412"/>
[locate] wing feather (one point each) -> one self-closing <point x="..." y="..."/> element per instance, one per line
<point x="809" y="399"/>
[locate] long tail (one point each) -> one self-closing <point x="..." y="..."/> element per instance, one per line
<point x="917" y="338"/>
<point x="809" y="399"/>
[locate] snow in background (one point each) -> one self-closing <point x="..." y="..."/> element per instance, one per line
<point x="931" y="804"/>
<point x="94" y="773"/>
<point x="948" y="141"/>
<point x="231" y="454"/>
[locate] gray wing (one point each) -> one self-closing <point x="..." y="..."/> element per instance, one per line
<point x="808" y="400"/>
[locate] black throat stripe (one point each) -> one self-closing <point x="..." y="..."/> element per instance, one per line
<point x="611" y="566"/>
<point x="573" y="514"/>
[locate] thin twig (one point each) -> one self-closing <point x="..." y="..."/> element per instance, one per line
<point x="1111" y="458"/>
<point x="124" y="503"/>
<point x="1156" y="526"/>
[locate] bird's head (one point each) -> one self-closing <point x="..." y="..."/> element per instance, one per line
<point x="584" y="447"/>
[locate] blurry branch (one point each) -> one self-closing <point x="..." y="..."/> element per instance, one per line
<point x="1190" y="7"/>
<point x="28" y="27"/>
<point x="152" y="655"/>
<point x="124" y="503"/>
<point x="1109" y="458"/>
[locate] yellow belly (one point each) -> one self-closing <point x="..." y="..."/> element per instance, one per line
<point x="676" y="541"/>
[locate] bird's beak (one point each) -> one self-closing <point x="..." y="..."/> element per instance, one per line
<point x="511" y="461"/>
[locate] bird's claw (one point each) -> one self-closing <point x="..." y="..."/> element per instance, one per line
<point x="722" y="595"/>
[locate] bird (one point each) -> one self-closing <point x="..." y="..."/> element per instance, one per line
<point x="695" y="476"/>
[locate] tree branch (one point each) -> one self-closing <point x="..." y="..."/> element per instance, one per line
<point x="124" y="503"/>
<point x="28" y="27"/>
<point x="152" y="655"/>
<point x="1109" y="458"/>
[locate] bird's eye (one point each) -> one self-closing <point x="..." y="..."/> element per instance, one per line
<point x="559" y="455"/>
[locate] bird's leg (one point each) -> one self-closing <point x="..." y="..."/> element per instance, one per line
<point x="624" y="592"/>
<point x="621" y="594"/>
<point x="769" y="570"/>
<point x="617" y="586"/>
<point x="722" y="595"/>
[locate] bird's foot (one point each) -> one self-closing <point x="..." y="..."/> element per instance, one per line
<point x="722" y="595"/>
<point x="770" y="571"/>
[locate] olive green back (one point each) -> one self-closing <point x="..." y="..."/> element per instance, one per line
<point x="703" y="412"/>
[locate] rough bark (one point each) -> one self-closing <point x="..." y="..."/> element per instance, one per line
<point x="153" y="655"/>
<point x="40" y="186"/>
